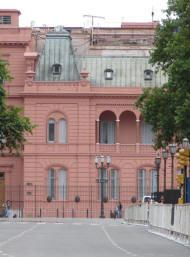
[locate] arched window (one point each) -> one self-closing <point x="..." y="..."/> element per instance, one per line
<point x="62" y="131"/>
<point x="113" y="184"/>
<point x="51" y="184"/>
<point x="141" y="183"/>
<point x="108" y="73"/>
<point x="56" y="68"/>
<point x="148" y="74"/>
<point x="147" y="135"/>
<point x="62" y="184"/>
<point x="51" y="130"/>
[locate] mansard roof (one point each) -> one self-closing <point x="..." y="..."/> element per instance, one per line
<point x="57" y="51"/>
<point x="128" y="71"/>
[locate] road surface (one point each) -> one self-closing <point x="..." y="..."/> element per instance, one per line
<point x="84" y="238"/>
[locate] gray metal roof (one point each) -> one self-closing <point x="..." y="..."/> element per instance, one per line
<point x="57" y="50"/>
<point x="127" y="71"/>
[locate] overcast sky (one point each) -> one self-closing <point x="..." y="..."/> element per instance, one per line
<point x="71" y="12"/>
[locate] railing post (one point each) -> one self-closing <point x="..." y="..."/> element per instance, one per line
<point x="19" y="201"/>
<point x="35" y="203"/>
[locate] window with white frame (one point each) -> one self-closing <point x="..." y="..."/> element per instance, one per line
<point x="62" y="131"/>
<point x="113" y="184"/>
<point x="107" y="132"/>
<point x="56" y="184"/>
<point x="51" y="184"/>
<point x="147" y="135"/>
<point x="152" y="181"/>
<point x="62" y="184"/>
<point x="108" y="73"/>
<point x="141" y="183"/>
<point x="51" y="131"/>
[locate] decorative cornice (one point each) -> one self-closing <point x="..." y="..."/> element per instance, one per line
<point x="14" y="43"/>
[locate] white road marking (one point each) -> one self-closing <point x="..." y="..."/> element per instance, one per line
<point x="117" y="246"/>
<point x="18" y="235"/>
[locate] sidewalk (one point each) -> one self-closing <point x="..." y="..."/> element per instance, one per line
<point x="64" y="220"/>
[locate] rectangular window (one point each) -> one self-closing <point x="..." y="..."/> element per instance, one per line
<point x="51" y="184"/>
<point x="107" y="132"/>
<point x="5" y="19"/>
<point x="62" y="131"/>
<point x="152" y="181"/>
<point x="113" y="185"/>
<point x="147" y="135"/>
<point x="141" y="184"/>
<point x="62" y="185"/>
<point x="51" y="130"/>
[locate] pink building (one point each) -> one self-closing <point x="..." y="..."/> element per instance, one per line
<point x="80" y="88"/>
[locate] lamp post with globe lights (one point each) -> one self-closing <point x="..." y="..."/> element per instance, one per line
<point x="157" y="165"/>
<point x="172" y="149"/>
<point x="102" y="166"/>
<point x="165" y="157"/>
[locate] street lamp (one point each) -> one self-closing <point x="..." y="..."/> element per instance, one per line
<point x="102" y="166"/>
<point x="185" y="145"/>
<point x="157" y="165"/>
<point x="172" y="148"/>
<point x="165" y="157"/>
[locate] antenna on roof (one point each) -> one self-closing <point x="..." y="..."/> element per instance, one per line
<point x="92" y="16"/>
<point x="152" y="14"/>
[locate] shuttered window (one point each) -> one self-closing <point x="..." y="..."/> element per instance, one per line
<point x="141" y="183"/>
<point x="147" y="135"/>
<point x="107" y="132"/>
<point x="62" y="131"/>
<point x="5" y="19"/>
<point x="113" y="184"/>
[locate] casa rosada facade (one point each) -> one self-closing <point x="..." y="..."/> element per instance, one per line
<point x="80" y="89"/>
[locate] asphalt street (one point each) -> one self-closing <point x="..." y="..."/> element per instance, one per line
<point x="84" y="238"/>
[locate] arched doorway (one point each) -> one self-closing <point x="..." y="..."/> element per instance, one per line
<point x="127" y="128"/>
<point x="107" y="127"/>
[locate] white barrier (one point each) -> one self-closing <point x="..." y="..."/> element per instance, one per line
<point x="171" y="218"/>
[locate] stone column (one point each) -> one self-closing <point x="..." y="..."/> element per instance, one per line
<point x="117" y="132"/>
<point x="138" y="136"/>
<point x="138" y="132"/>
<point x="97" y="131"/>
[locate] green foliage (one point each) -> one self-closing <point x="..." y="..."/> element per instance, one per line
<point x="12" y="124"/>
<point x="167" y="109"/>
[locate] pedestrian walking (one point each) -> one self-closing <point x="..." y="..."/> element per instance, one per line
<point x="4" y="205"/>
<point x="116" y="211"/>
<point x="120" y="210"/>
<point x="8" y="203"/>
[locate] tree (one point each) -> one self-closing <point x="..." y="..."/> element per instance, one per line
<point x="167" y="108"/>
<point x="13" y="125"/>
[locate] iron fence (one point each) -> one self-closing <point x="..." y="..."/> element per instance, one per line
<point x="77" y="201"/>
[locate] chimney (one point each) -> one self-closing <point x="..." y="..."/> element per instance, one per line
<point x="9" y="18"/>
